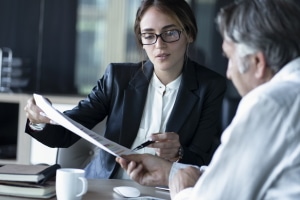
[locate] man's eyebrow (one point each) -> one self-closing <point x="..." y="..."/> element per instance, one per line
<point x="163" y="28"/>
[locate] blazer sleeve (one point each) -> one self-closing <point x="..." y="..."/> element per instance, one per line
<point x="90" y="111"/>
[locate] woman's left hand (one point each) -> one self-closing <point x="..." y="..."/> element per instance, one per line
<point x="167" y="145"/>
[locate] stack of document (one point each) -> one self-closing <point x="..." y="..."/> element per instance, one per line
<point x="34" y="181"/>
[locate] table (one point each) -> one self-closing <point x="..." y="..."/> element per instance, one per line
<point x="102" y="189"/>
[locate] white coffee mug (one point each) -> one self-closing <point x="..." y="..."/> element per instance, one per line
<point x="70" y="184"/>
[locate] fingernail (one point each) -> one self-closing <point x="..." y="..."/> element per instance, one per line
<point x="43" y="114"/>
<point x="53" y="122"/>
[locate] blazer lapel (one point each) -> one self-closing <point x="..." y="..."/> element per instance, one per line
<point x="134" y="103"/>
<point x="185" y="100"/>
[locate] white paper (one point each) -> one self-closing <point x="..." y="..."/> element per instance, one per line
<point x="63" y="120"/>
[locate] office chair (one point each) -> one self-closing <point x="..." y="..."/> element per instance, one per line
<point x="81" y="153"/>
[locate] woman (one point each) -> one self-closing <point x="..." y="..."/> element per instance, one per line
<point x="169" y="98"/>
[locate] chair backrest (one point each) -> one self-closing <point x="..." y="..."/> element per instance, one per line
<point x="81" y="153"/>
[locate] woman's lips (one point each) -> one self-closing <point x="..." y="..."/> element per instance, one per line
<point x="162" y="56"/>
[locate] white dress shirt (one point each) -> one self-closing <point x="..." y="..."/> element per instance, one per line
<point x="157" y="110"/>
<point x="259" y="155"/>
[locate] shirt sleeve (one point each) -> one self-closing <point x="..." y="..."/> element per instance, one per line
<point x="184" y="194"/>
<point x="36" y="127"/>
<point x="176" y="166"/>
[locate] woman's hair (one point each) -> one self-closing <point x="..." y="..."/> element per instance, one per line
<point x="179" y="10"/>
<point x="269" y="26"/>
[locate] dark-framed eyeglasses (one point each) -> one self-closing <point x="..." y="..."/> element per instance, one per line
<point x="167" y="36"/>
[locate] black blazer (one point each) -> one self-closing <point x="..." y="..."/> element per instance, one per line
<point x="121" y="95"/>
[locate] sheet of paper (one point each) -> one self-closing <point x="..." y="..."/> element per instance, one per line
<point x="87" y="134"/>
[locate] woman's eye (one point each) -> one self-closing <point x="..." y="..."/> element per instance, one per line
<point x="171" y="33"/>
<point x="148" y="36"/>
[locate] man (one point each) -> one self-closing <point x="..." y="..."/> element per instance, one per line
<point x="259" y="157"/>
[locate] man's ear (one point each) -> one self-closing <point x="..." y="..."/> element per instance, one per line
<point x="261" y="65"/>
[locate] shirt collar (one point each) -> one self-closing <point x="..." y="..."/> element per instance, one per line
<point x="290" y="71"/>
<point x="173" y="85"/>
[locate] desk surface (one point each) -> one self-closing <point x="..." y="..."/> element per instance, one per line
<point x="103" y="189"/>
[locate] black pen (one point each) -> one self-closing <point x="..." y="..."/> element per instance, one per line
<point x="143" y="145"/>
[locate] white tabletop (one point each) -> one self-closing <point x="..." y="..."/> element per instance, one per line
<point x="103" y="189"/>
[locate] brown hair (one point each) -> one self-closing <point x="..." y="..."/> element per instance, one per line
<point x="179" y="10"/>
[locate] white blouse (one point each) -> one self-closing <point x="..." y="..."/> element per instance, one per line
<point x="157" y="110"/>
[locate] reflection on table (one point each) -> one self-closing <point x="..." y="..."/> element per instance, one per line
<point x="103" y="189"/>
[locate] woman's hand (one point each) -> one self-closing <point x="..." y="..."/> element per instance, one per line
<point x="34" y="113"/>
<point x="167" y="145"/>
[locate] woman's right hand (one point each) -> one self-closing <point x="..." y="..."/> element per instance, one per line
<point x="34" y="113"/>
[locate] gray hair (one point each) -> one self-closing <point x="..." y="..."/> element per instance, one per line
<point x="269" y="26"/>
<point x="244" y="51"/>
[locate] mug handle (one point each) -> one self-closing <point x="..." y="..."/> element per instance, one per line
<point x="84" y="186"/>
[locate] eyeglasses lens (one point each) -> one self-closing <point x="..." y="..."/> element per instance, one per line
<point x="168" y="36"/>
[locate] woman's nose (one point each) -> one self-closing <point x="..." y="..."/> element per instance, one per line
<point x="160" y="43"/>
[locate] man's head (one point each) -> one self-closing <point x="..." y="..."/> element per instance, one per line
<point x="260" y="37"/>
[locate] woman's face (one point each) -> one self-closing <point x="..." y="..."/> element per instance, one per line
<point x="166" y="57"/>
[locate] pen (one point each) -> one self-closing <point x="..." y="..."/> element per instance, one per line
<point x="143" y="145"/>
